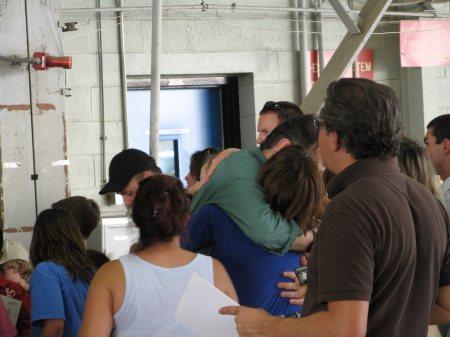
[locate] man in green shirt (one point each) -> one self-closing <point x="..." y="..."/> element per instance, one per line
<point x="234" y="187"/>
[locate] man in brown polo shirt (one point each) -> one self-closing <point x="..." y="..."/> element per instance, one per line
<point x="381" y="262"/>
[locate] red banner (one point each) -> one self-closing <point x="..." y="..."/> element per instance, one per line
<point x="425" y="43"/>
<point x="363" y="67"/>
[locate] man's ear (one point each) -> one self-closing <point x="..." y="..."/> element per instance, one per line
<point x="335" y="141"/>
<point x="281" y="144"/>
<point x="446" y="146"/>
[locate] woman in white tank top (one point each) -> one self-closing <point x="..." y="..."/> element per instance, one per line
<point x="139" y="293"/>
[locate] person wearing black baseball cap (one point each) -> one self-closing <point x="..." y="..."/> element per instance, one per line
<point x="126" y="170"/>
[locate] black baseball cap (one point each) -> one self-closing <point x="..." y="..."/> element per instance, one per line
<point x="124" y="166"/>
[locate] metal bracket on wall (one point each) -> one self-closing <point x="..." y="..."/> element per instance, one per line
<point x="67" y="26"/>
<point x="348" y="17"/>
<point x="205" y="6"/>
<point x="65" y="92"/>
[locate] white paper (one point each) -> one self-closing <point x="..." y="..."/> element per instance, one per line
<point x="12" y="307"/>
<point x="199" y="309"/>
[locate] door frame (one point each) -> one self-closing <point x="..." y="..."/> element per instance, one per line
<point x="229" y="94"/>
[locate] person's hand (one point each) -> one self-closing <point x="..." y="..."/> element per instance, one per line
<point x="292" y="290"/>
<point x="304" y="260"/>
<point x="218" y="159"/>
<point x="303" y="242"/>
<point x="193" y="189"/>
<point x="251" y="322"/>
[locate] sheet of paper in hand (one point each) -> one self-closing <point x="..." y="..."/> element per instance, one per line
<point x="12" y="307"/>
<point x="199" y="309"/>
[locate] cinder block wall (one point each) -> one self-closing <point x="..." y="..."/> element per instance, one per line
<point x="261" y="52"/>
<point x="32" y="118"/>
<point x="443" y="80"/>
<point x="260" y="46"/>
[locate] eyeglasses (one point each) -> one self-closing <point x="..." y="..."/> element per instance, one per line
<point x="274" y="106"/>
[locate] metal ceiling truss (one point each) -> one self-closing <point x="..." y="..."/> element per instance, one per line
<point x="348" y="17"/>
<point x="346" y="53"/>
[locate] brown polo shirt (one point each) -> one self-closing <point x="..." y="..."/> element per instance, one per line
<point x="383" y="239"/>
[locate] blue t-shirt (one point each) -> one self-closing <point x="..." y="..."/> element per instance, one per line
<point x="254" y="271"/>
<point x="55" y="295"/>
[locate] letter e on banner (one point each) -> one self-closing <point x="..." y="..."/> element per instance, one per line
<point x="364" y="64"/>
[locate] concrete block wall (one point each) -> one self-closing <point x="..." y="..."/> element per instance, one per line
<point x="84" y="127"/>
<point x="32" y="118"/>
<point x="261" y="52"/>
<point x="424" y="92"/>
<point x="260" y="47"/>
<point x="443" y="86"/>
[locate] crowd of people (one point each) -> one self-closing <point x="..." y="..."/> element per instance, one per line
<point x="343" y="194"/>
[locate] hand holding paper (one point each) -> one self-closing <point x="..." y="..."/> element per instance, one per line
<point x="251" y="322"/>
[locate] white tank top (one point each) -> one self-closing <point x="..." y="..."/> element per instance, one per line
<point x="152" y="294"/>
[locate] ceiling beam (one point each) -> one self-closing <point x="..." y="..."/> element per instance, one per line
<point x="348" y="17"/>
<point x="345" y="54"/>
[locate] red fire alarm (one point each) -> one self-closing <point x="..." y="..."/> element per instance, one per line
<point x="43" y="61"/>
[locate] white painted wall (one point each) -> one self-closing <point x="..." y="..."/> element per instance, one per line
<point x="46" y="108"/>
<point x="260" y="47"/>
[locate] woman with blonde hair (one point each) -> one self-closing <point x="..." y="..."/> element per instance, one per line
<point x="413" y="161"/>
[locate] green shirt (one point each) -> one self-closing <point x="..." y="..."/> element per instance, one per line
<point x="234" y="187"/>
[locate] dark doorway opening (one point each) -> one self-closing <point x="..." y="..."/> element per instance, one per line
<point x="195" y="113"/>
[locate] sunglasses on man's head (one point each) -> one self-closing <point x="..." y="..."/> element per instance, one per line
<point x="319" y="122"/>
<point x="274" y="106"/>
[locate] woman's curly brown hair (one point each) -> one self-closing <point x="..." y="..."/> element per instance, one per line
<point x="160" y="209"/>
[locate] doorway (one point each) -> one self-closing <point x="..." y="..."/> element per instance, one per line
<point x="194" y="114"/>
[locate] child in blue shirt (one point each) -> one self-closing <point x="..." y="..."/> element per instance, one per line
<point x="62" y="271"/>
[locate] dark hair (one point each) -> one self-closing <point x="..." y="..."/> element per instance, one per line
<point x="299" y="131"/>
<point x="413" y="161"/>
<point x="85" y="211"/>
<point x="56" y="237"/>
<point x="285" y="110"/>
<point x="156" y="170"/>
<point x="97" y="258"/>
<point x="365" y="115"/>
<point x="440" y="127"/>
<point x="292" y="184"/>
<point x="209" y="160"/>
<point x="198" y="159"/>
<point x="160" y="209"/>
